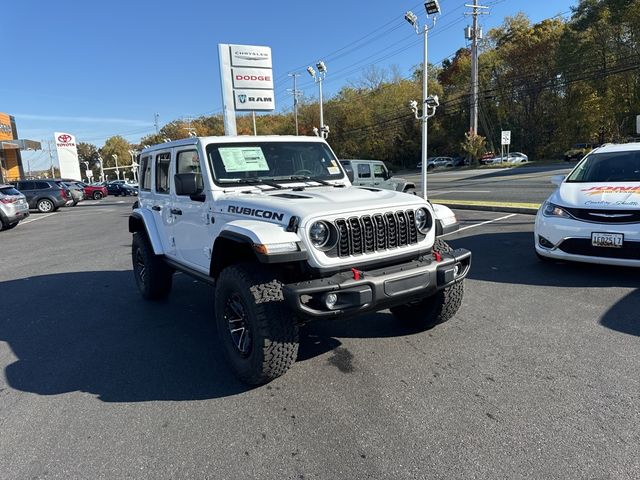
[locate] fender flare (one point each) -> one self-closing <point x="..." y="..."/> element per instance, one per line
<point x="141" y="220"/>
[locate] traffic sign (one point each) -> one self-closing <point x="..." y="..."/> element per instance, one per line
<point x="506" y="137"/>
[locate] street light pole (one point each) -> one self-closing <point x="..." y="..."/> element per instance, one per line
<point x="115" y="156"/>
<point x="429" y="104"/>
<point x="318" y="78"/>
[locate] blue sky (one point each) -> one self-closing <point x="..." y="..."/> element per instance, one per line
<point x="97" y="69"/>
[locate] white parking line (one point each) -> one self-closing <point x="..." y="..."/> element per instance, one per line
<point x="33" y="219"/>
<point x="481" y="224"/>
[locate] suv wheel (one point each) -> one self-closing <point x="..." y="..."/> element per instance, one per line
<point x="45" y="205"/>
<point x="259" y="335"/>
<point x="436" y="309"/>
<point x="97" y="195"/>
<point x="7" y="225"/>
<point x="153" y="276"/>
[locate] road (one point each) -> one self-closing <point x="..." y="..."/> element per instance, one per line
<point x="530" y="184"/>
<point x="536" y="377"/>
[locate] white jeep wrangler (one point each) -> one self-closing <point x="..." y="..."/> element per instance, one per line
<point x="276" y="226"/>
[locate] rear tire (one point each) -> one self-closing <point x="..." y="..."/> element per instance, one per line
<point x="97" y="195"/>
<point x="258" y="333"/>
<point x="7" y="226"/>
<point x="153" y="276"/>
<point x="45" y="205"/>
<point x="436" y="309"/>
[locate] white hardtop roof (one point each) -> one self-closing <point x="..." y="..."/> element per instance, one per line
<point x="234" y="139"/>
<point x="618" y="147"/>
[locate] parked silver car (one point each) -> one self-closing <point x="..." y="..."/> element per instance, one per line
<point x="13" y="207"/>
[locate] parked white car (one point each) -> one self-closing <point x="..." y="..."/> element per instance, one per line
<point x="594" y="215"/>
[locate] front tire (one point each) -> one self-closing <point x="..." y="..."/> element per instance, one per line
<point x="153" y="277"/>
<point x="97" y="195"/>
<point x="436" y="309"/>
<point x="258" y="333"/>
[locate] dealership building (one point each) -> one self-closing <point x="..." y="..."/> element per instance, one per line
<point x="10" y="147"/>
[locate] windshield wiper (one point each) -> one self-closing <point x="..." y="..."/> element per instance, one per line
<point x="305" y="178"/>
<point x="251" y="181"/>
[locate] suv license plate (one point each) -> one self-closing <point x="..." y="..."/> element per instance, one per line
<point x="607" y="240"/>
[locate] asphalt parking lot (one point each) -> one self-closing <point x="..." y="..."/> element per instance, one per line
<point x="536" y="377"/>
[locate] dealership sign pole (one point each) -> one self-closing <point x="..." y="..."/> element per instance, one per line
<point x="246" y="77"/>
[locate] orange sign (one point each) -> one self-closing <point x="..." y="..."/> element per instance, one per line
<point x="6" y="132"/>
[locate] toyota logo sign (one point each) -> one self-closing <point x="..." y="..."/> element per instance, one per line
<point x="64" y="138"/>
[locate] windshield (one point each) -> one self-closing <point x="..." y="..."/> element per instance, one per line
<point x="281" y="161"/>
<point x="608" y="167"/>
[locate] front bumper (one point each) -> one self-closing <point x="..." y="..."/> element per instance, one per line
<point x="570" y="240"/>
<point x="373" y="290"/>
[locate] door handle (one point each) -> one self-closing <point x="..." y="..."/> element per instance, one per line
<point x="176" y="211"/>
<point x="156" y="208"/>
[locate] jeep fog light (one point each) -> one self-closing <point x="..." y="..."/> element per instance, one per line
<point x="275" y="248"/>
<point x="330" y="300"/>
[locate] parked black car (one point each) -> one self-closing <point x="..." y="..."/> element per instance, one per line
<point x="123" y="189"/>
<point x="44" y="195"/>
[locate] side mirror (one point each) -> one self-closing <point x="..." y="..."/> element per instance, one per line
<point x="557" y="180"/>
<point x="388" y="174"/>
<point x="188" y="184"/>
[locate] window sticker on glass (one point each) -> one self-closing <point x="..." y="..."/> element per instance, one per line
<point x="243" y="159"/>
<point x="333" y="170"/>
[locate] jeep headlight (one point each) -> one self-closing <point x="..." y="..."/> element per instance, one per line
<point x="423" y="220"/>
<point x="553" y="210"/>
<point x="319" y="234"/>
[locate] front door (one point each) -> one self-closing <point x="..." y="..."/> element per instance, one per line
<point x="193" y="219"/>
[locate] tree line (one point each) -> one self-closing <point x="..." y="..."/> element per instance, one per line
<point x="554" y="83"/>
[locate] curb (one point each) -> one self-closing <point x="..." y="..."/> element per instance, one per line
<point x="491" y="207"/>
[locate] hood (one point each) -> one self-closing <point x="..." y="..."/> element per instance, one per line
<point x="315" y="202"/>
<point x="615" y="195"/>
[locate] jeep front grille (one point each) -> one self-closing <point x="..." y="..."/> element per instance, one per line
<point x="372" y="233"/>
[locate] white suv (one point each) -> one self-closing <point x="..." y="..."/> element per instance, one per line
<point x="276" y="225"/>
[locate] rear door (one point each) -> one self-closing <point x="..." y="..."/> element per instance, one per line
<point x="161" y="200"/>
<point x="363" y="174"/>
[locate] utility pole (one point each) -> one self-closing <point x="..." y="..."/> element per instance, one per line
<point x="156" y="116"/>
<point x="474" y="34"/>
<point x="296" y="93"/>
<point x="48" y="142"/>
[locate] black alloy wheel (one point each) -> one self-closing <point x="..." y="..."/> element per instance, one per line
<point x="235" y="314"/>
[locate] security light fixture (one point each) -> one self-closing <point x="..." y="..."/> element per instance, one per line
<point x="321" y="67"/>
<point x="411" y="18"/>
<point x="432" y="101"/>
<point x="311" y="71"/>
<point x="432" y="7"/>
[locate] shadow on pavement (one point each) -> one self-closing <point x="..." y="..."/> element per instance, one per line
<point x="624" y="316"/>
<point x="509" y="257"/>
<point x="92" y="332"/>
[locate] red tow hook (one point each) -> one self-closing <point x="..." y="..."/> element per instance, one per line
<point x="357" y="274"/>
<point x="437" y="256"/>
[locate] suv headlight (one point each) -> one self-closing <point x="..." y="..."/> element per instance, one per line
<point x="319" y="234"/>
<point x="423" y="220"/>
<point x="553" y="210"/>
